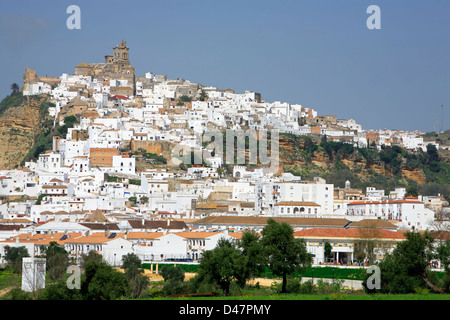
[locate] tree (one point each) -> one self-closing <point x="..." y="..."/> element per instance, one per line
<point x="249" y="261"/>
<point x="14" y="88"/>
<point x="327" y="249"/>
<point x="411" y="190"/>
<point x="218" y="265"/>
<point x="133" y="271"/>
<point x="170" y="272"/>
<point x="203" y="95"/>
<point x="14" y="257"/>
<point x="57" y="261"/>
<point x="406" y="268"/>
<point x="174" y="279"/>
<point x="185" y="98"/>
<point x="365" y="246"/>
<point x="144" y="199"/>
<point x="284" y="254"/>
<point x="90" y="256"/>
<point x="103" y="282"/>
<point x="131" y="261"/>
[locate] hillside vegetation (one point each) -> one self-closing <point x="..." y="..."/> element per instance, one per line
<point x="425" y="172"/>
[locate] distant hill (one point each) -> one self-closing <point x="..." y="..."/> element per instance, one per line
<point x="443" y="138"/>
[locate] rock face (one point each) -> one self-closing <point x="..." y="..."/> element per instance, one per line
<point x="19" y="126"/>
<point x="292" y="156"/>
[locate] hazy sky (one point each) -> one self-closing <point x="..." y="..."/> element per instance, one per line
<point x="317" y="53"/>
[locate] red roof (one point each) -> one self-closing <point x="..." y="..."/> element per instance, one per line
<point x="385" y="202"/>
<point x="347" y="233"/>
<point x="119" y="97"/>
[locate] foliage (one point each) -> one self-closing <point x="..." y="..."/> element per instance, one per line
<point x="406" y="268"/>
<point x="102" y="282"/>
<point x="91" y="256"/>
<point x="283" y="253"/>
<point x="137" y="280"/>
<point x="172" y="273"/>
<point x="218" y="265"/>
<point x="14" y="257"/>
<point x="185" y="98"/>
<point x="249" y="261"/>
<point x="57" y="261"/>
<point x="13" y="100"/>
<point x="203" y="95"/>
<point x="60" y="291"/>
<point x="174" y="280"/>
<point x="395" y="160"/>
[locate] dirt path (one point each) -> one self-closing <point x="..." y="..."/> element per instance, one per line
<point x="5" y="291"/>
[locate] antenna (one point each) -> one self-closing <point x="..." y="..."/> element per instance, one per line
<point x="442" y="119"/>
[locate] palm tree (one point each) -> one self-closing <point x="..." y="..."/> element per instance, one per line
<point x="14" y="88"/>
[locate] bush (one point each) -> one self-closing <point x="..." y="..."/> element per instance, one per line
<point x="18" y="294"/>
<point x="324" y="287"/>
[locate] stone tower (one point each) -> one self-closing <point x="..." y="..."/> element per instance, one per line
<point x="120" y="53"/>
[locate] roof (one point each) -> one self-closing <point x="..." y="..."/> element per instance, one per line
<point x="260" y="221"/>
<point x="372" y="223"/>
<point x="337" y="233"/>
<point x="197" y="235"/>
<point x="384" y="202"/>
<point x="100" y="226"/>
<point x="96" y="238"/>
<point x="144" y="235"/>
<point x="9" y="227"/>
<point x="156" y="224"/>
<point x="119" y="97"/>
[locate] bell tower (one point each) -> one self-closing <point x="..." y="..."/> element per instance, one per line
<point x="120" y="53"/>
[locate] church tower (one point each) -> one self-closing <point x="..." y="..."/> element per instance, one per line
<point x="120" y="53"/>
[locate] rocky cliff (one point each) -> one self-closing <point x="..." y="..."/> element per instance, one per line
<point x="20" y="123"/>
<point x="306" y="158"/>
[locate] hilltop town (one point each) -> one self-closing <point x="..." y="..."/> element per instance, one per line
<point x="112" y="183"/>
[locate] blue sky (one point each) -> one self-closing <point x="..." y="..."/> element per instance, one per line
<point x="318" y="53"/>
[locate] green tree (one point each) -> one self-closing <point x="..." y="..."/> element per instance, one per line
<point x="57" y="261"/>
<point x="170" y="272"/>
<point x="203" y="95"/>
<point x="218" y="266"/>
<point x="327" y="250"/>
<point x="411" y="190"/>
<point x="249" y="260"/>
<point x="184" y="98"/>
<point x="144" y="199"/>
<point x="102" y="282"/>
<point x="59" y="291"/>
<point x="14" y="88"/>
<point x="89" y="257"/>
<point x="284" y="253"/>
<point x="14" y="257"/>
<point x="133" y="271"/>
<point x="173" y="279"/>
<point x="406" y="268"/>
